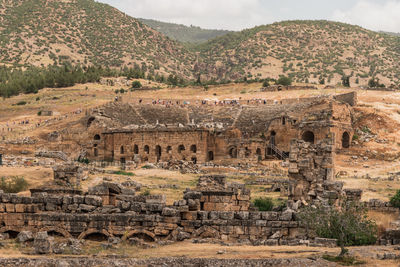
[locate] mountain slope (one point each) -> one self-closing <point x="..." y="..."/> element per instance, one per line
<point x="306" y="50"/>
<point x="43" y="32"/>
<point x="184" y="33"/>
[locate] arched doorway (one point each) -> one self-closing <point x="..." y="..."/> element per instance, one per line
<point x="272" y="138"/>
<point x="193" y="148"/>
<point x="96" y="137"/>
<point x="181" y="148"/>
<point x="158" y="153"/>
<point x="210" y="156"/>
<point x="135" y="149"/>
<point x="308" y="136"/>
<point x="345" y="140"/>
<point x="233" y="152"/>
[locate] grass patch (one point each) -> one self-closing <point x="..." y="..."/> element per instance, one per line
<point x="264" y="203"/>
<point x="13" y="184"/>
<point x="344" y="260"/>
<point x="124" y="173"/>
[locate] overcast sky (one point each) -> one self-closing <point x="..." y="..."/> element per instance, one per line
<point x="240" y="14"/>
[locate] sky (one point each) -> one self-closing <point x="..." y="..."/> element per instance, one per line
<point x="378" y="15"/>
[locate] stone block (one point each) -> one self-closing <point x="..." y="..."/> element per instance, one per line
<point x="10" y="208"/>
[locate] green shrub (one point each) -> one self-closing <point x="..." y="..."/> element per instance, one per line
<point x="146" y="192"/>
<point x="136" y="84"/>
<point x="39" y="113"/>
<point x="285" y="81"/>
<point x="21" y="103"/>
<point x="395" y="200"/>
<point x="263" y="203"/>
<point x="13" y="184"/>
<point x="265" y="83"/>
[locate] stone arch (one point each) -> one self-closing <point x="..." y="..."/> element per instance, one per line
<point x="13" y="232"/>
<point x="308" y="136"/>
<point x="96" y="137"/>
<point x="135" y="149"/>
<point x="232" y="151"/>
<point x="181" y="148"/>
<point x="345" y="140"/>
<point x="146" y="149"/>
<point x="143" y="234"/>
<point x="193" y="148"/>
<point x="94" y="232"/>
<point x="58" y="230"/>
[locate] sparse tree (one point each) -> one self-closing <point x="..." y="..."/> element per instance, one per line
<point x="347" y="223"/>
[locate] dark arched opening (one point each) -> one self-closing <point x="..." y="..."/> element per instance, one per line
<point x="95" y="152"/>
<point x="169" y="149"/>
<point x="123" y="160"/>
<point x="258" y="151"/>
<point x="181" y="148"/>
<point x="146" y="149"/>
<point x="122" y="150"/>
<point x="135" y="149"/>
<point x="345" y="140"/>
<point x="247" y="152"/>
<point x="272" y="138"/>
<point x="233" y="152"/>
<point x="96" y="137"/>
<point x="55" y="233"/>
<point x="210" y="156"/>
<point x="99" y="237"/>
<point x="158" y="153"/>
<point x="12" y="234"/>
<point x="193" y="148"/>
<point x="143" y="236"/>
<point x="308" y="136"/>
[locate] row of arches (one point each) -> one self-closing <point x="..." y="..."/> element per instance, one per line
<point x="158" y="149"/>
<point x="309" y="136"/>
<point x="91" y="234"/>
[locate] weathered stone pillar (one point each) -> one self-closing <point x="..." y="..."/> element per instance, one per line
<point x="311" y="172"/>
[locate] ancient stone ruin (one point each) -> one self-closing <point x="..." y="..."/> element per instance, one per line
<point x="123" y="132"/>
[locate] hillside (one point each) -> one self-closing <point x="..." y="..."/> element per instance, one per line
<point x="306" y="50"/>
<point x="44" y="32"/>
<point x="184" y="33"/>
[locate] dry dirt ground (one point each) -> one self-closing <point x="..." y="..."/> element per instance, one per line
<point x="371" y="256"/>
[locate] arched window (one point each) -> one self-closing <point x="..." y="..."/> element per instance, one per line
<point x="345" y="140"/>
<point x="283" y="120"/>
<point x="96" y="137"/>
<point x="193" y="148"/>
<point x="146" y="149"/>
<point x="272" y="138"/>
<point x="181" y="148"/>
<point x="308" y="136"/>
<point x="169" y="149"/>
<point x="158" y="153"/>
<point x="233" y="152"/>
<point x="135" y="149"/>
<point x="122" y="150"/>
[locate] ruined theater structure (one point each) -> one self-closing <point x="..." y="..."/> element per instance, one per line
<point x="213" y="209"/>
<point x="122" y="132"/>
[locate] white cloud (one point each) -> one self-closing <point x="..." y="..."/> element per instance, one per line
<point x="372" y="15"/>
<point x="223" y="14"/>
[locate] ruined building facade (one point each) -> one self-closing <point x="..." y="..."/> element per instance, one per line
<point x="201" y="133"/>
